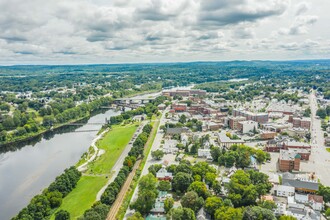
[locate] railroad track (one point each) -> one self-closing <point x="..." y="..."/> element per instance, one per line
<point x="121" y="196"/>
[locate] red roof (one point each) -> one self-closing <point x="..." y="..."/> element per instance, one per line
<point x="315" y="198"/>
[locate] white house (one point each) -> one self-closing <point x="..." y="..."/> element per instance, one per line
<point x="284" y="191"/>
<point x="204" y="153"/>
<point x="316" y="202"/>
<point x="301" y="198"/>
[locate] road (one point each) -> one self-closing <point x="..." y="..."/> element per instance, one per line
<point x="150" y="161"/>
<point x="320" y="158"/>
<point x="119" y="163"/>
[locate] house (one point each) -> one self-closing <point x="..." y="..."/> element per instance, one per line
<point x="204" y="153"/>
<point x="202" y="215"/>
<point x="316" y="202"/>
<point x="284" y="191"/>
<point x="158" y="210"/>
<point x="162" y="174"/>
<point x="161" y="106"/>
<point x="280" y="209"/>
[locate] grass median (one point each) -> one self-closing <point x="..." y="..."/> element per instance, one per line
<point x="84" y="195"/>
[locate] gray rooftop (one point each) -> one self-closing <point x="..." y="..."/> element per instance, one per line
<point x="297" y="183"/>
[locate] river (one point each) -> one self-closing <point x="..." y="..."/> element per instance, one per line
<point x="26" y="169"/>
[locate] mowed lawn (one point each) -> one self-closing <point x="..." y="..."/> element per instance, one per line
<point x="83" y="196"/>
<point x="114" y="142"/>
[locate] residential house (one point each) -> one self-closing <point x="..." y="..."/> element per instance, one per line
<point x="284" y="191"/>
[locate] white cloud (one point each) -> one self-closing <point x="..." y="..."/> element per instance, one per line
<point x="102" y="31"/>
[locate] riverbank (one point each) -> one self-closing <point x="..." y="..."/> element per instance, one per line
<point x="43" y="131"/>
<point x="98" y="171"/>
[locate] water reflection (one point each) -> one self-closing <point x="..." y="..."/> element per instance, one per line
<point x="28" y="167"/>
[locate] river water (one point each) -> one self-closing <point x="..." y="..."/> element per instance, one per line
<point x="26" y="169"/>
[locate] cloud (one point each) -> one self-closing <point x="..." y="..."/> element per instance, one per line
<point x="228" y="12"/>
<point x="302" y="8"/>
<point x="243" y="33"/>
<point x="300" y="25"/>
<point x="157" y="30"/>
<point x="160" y="10"/>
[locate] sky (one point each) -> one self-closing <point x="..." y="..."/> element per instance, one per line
<point x="134" y="31"/>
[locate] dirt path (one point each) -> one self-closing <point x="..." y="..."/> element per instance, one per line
<point x="83" y="166"/>
<point x="121" y="196"/>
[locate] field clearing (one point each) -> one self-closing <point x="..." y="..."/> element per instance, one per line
<point x="83" y="196"/>
<point x="114" y="142"/>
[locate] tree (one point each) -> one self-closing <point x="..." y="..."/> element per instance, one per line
<point x="157" y="154"/>
<point x="200" y="188"/>
<point x="183" y="119"/>
<point x="260" y="156"/>
<point x="225" y="213"/>
<point x="215" y="153"/>
<point x="145" y="201"/>
<point x="55" y="199"/>
<point x="148" y="182"/>
<point x="147" y="194"/>
<point x="147" y="128"/>
<point x="185" y="168"/>
<point x="181" y="181"/>
<point x="168" y="204"/>
<point x="202" y="168"/>
<point x="154" y="168"/>
<point x="258" y="213"/>
<point x="136" y="216"/>
<point x="325" y="192"/>
<point x="210" y="178"/>
<point x="241" y="190"/>
<point x="181" y="214"/>
<point x="164" y="186"/>
<point x="192" y="200"/>
<point x="217" y="188"/>
<point x="327" y="212"/>
<point x="62" y="215"/>
<point x="321" y="112"/>
<point x="48" y="120"/>
<point x="212" y="204"/>
<point x="267" y="205"/>
<point x="287" y="217"/>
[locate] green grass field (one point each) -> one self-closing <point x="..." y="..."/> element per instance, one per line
<point x="113" y="143"/>
<point x="83" y="196"/>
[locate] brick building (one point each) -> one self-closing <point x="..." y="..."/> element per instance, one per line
<point x="261" y="118"/>
<point x="289" y="161"/>
<point x="301" y="123"/>
<point x="233" y="122"/>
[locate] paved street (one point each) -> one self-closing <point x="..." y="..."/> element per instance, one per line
<point x="156" y="145"/>
<point x="320" y="158"/>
